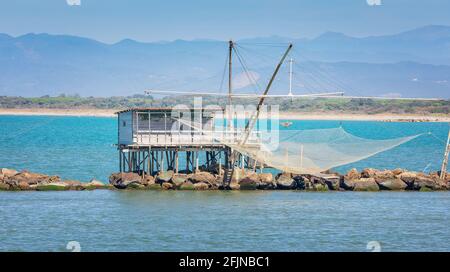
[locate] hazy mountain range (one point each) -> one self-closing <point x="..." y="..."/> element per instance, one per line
<point x="410" y="64"/>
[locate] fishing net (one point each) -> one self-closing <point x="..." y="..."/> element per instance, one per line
<point x="314" y="151"/>
<point x="302" y="151"/>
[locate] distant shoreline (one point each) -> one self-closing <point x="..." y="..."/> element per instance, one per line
<point x="386" y="117"/>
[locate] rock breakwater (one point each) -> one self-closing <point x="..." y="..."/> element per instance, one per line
<point x="369" y="180"/>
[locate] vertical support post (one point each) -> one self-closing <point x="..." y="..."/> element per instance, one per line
<point x="120" y="160"/>
<point x="149" y="132"/>
<point x="138" y="161"/>
<point x="149" y="163"/>
<point x="129" y="160"/>
<point x="168" y="159"/>
<point x="176" y="162"/>
<point x="188" y="158"/>
<point x="152" y="164"/>
<point x="220" y="162"/>
<point x="445" y="161"/>
<point x="143" y="163"/>
<point x="134" y="160"/>
<point x="162" y="162"/>
<point x="165" y="128"/>
<point x="196" y="161"/>
<point x="137" y="128"/>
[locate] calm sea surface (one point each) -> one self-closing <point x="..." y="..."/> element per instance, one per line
<point x="82" y="148"/>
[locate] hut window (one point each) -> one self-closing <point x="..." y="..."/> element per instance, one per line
<point x="143" y="116"/>
<point x="124" y="123"/>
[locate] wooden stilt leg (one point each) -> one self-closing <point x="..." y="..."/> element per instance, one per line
<point x="196" y="161"/>
<point x="176" y="162"/>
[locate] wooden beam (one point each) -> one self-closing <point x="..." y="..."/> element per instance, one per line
<point x="176" y="162"/>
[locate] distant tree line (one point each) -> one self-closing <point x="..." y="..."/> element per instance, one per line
<point x="367" y="106"/>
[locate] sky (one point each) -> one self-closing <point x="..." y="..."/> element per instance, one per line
<point x="155" y="20"/>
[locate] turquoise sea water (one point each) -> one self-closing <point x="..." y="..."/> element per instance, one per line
<point x="82" y="148"/>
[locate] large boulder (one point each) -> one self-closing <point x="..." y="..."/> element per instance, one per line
<point x="202" y="177"/>
<point x="384" y="175"/>
<point x="24" y="186"/>
<point x="4" y="187"/>
<point x="314" y="183"/>
<point x="398" y="171"/>
<point x="423" y="183"/>
<point x="123" y="180"/>
<point x="201" y="186"/>
<point x="393" y="184"/>
<point x="285" y="181"/>
<point x="266" y="177"/>
<point x="367" y="173"/>
<point x="30" y="178"/>
<point x="218" y="183"/>
<point x="234" y="186"/>
<point x="93" y="184"/>
<point x="408" y="178"/>
<point x="347" y="184"/>
<point x="352" y="174"/>
<point x="179" y="179"/>
<point x="266" y="181"/>
<point x="304" y="183"/>
<point x="249" y="182"/>
<point x="238" y="174"/>
<point x="366" y="184"/>
<point x="333" y="182"/>
<point x="8" y="172"/>
<point x="164" y="176"/>
<point x="187" y="186"/>
<point x="441" y="184"/>
<point x="148" y="180"/>
<point x="167" y="185"/>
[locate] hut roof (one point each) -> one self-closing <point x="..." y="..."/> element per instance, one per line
<point x="166" y="109"/>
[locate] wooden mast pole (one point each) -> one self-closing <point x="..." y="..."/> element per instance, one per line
<point x="445" y="161"/>
<point x="230" y="92"/>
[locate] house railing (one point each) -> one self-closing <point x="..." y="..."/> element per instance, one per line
<point x="146" y="137"/>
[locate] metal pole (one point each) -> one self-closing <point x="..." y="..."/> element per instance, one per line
<point x="176" y="161"/>
<point x="196" y="161"/>
<point x="445" y="161"/>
